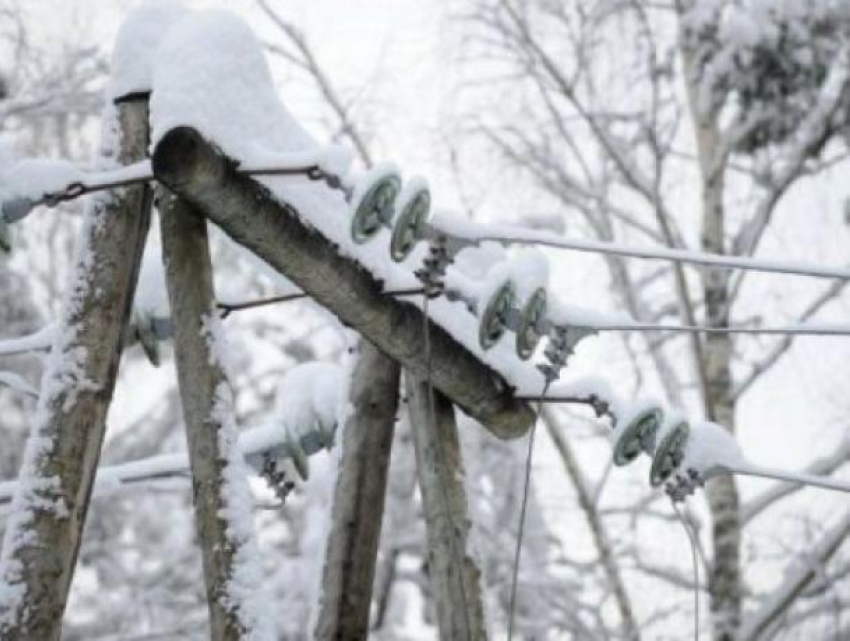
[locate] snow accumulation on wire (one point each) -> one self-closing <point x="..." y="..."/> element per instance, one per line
<point x="471" y="230"/>
<point x="712" y="450"/>
<point x="32" y="178"/>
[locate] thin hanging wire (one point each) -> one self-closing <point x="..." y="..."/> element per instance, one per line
<point x="695" y="560"/>
<point x="522" y="511"/>
<point x="431" y="418"/>
<point x="227" y="308"/>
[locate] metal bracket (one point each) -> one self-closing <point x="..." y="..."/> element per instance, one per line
<point x="5" y="235"/>
<point x="684" y="485"/>
<point x="276" y="478"/>
<point x="433" y="271"/>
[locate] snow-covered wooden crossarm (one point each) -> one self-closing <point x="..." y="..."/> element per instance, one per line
<point x="275" y="230"/>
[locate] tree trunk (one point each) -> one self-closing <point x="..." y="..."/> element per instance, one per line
<point x="222" y="499"/>
<point x="454" y="577"/>
<point x="273" y="230"/>
<point x="359" y="497"/>
<point x="43" y="538"/>
<point x="725" y="574"/>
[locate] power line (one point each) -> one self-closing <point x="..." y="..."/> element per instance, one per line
<point x="800" y="330"/>
<point x="522" y="511"/>
<point x="228" y="308"/>
<point x="661" y="253"/>
<point x="695" y="562"/>
<point x="141" y="172"/>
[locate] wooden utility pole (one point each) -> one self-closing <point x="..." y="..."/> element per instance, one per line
<point x="455" y="580"/>
<point x="359" y="497"/>
<point x="195" y="170"/>
<point x="207" y="409"/>
<point x="49" y="509"/>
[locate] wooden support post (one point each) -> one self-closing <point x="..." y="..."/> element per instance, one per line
<point x="207" y="409"/>
<point x="455" y="579"/>
<point x="248" y="213"/>
<point x="42" y="541"/>
<point x="359" y="498"/>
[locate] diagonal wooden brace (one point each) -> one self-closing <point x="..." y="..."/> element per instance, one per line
<point x="247" y="212"/>
<point x="42" y="542"/>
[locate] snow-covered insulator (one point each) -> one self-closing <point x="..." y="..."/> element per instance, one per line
<point x="373" y="203"/>
<point x="670" y="451"/>
<point x="296" y="453"/>
<point x="15" y="209"/>
<point x="528" y="334"/>
<point x="414" y="206"/>
<point x="5" y="236"/>
<point x="636" y="432"/>
<point x="277" y="476"/>
<point x="493" y="322"/>
<point x="143" y="329"/>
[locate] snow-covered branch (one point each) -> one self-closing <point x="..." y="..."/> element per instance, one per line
<point x="798" y="576"/>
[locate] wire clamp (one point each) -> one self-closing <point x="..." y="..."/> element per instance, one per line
<point x="433" y="271"/>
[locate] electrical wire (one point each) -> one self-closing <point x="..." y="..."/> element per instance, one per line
<point x="227" y="308"/>
<point x="684" y="257"/>
<point x="800" y="330"/>
<point x="810" y="480"/>
<point x="522" y="511"/>
<point x="314" y="172"/>
<point x="695" y="560"/>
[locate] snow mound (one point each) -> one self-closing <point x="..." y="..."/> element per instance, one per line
<point x="711" y="450"/>
<point x="312" y="395"/>
<point x="222" y="87"/>
<point x="136" y="45"/>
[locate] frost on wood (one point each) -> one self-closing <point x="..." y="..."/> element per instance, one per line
<point x="243" y="592"/>
<point x="359" y="496"/>
<point x="50" y="505"/>
<point x="223" y="503"/>
<point x="454" y="577"/>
